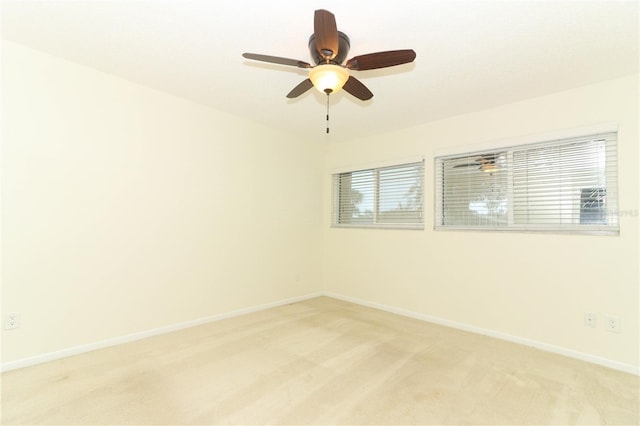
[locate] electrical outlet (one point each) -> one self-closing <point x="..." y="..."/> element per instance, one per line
<point x="590" y="319"/>
<point x="12" y="321"/>
<point x="612" y="323"/>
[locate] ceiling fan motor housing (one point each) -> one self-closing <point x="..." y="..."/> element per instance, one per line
<point x="343" y="49"/>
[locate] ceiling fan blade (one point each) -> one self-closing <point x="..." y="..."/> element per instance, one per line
<point x="357" y="89"/>
<point x="389" y="58"/>
<point x="466" y="165"/>
<point x="276" y="60"/>
<point x="300" y="89"/>
<point x="487" y="158"/>
<point x="326" y="33"/>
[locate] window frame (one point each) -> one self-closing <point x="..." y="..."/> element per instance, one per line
<point x="612" y="227"/>
<point x="376" y="222"/>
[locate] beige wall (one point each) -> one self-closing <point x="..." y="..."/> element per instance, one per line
<point x="126" y="209"/>
<point x="530" y="286"/>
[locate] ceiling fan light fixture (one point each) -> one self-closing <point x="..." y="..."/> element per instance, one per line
<point x="328" y="78"/>
<point x="329" y="49"/>
<point x="489" y="168"/>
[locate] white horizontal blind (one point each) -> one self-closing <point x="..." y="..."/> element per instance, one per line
<point x="562" y="185"/>
<point x="388" y="197"/>
<point x="471" y="194"/>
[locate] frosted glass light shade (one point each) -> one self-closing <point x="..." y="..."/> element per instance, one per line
<point x="489" y="168"/>
<point x="328" y="78"/>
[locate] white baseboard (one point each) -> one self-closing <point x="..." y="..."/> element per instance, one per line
<point x="77" y="350"/>
<point x="615" y="365"/>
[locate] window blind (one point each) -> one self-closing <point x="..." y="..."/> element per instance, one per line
<point x="387" y="197"/>
<point x="561" y="185"/>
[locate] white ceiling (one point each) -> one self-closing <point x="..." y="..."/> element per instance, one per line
<point x="471" y="55"/>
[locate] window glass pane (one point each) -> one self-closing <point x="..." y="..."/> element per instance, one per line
<point x="400" y="194"/>
<point x="356" y="197"/>
<point x="593" y="206"/>
<point x="475" y="190"/>
<point x="548" y="182"/>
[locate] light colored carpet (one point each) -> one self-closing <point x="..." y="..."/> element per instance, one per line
<point x="321" y="361"/>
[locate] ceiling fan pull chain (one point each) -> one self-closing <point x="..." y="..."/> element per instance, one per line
<point x="327" y="112"/>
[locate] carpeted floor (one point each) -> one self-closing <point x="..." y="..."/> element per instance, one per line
<point x="321" y="361"/>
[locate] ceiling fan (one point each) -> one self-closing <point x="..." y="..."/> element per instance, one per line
<point x="329" y="48"/>
<point x="485" y="162"/>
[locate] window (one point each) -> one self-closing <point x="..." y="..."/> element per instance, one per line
<point x="385" y="197"/>
<point x="562" y="185"/>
